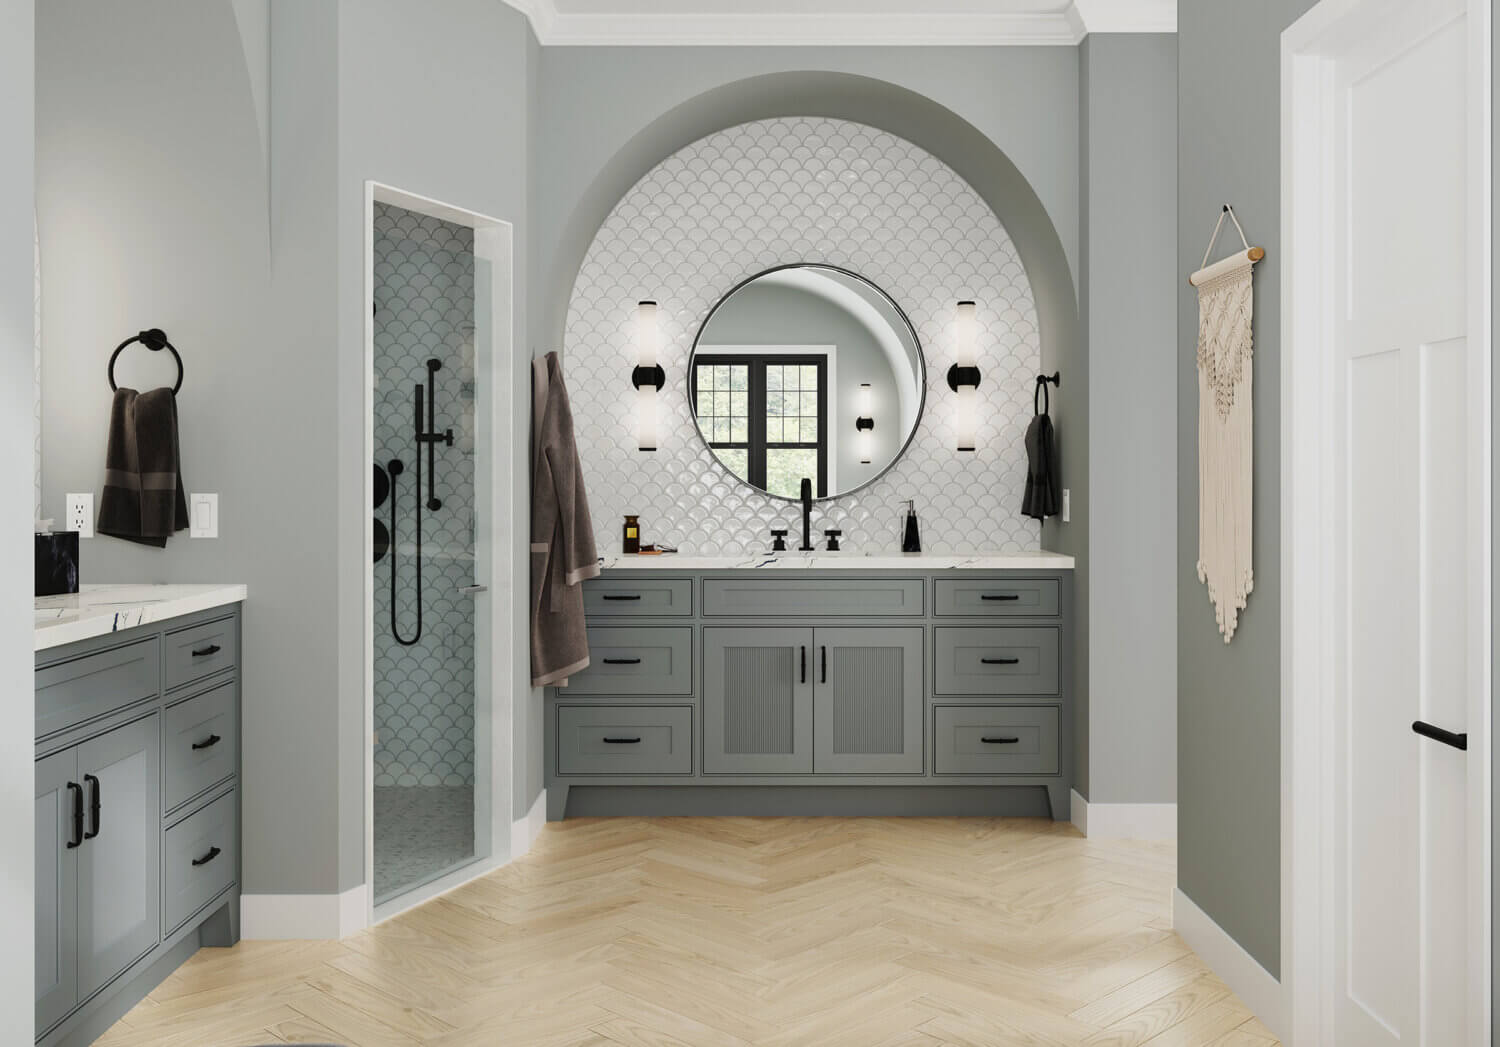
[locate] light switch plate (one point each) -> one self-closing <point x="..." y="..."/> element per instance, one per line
<point x="203" y="515"/>
<point x="80" y="515"/>
<point x="1067" y="504"/>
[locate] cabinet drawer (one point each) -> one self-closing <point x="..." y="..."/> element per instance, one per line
<point x="637" y="660"/>
<point x="200" y="741"/>
<point x="991" y="739"/>
<point x="199" y="857"/>
<point x="194" y="653"/>
<point x="996" y="660"/>
<point x="644" y="598"/>
<point x="812" y="597"/>
<point x="998" y="598"/>
<point x="624" y="740"/>
<point x="84" y="688"/>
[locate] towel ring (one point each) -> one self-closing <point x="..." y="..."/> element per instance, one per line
<point x="155" y="340"/>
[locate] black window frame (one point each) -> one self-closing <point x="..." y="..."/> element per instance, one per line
<point x="756" y="446"/>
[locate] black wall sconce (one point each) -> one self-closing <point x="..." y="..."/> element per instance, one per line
<point x="648" y="376"/>
<point x="864" y="425"/>
<point x="963" y="376"/>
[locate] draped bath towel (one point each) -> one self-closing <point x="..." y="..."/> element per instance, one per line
<point x="562" y="533"/>
<point x="144" y="499"/>
<point x="1043" y="497"/>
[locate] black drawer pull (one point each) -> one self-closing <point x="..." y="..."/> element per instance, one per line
<point x="208" y="743"/>
<point x="93" y="784"/>
<point x="1006" y="597"/>
<point x="204" y="652"/>
<point x="622" y="661"/>
<point x="999" y="741"/>
<point x="804" y="663"/>
<point x="823" y="654"/>
<point x="77" y="793"/>
<point x="1437" y="734"/>
<point x="1000" y="661"/>
<point x="622" y="596"/>
<point x="213" y="852"/>
<point x="621" y="741"/>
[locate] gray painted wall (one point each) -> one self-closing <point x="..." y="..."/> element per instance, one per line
<point x="1128" y="287"/>
<point x="1229" y="699"/>
<point x="17" y="722"/>
<point x="779" y="315"/>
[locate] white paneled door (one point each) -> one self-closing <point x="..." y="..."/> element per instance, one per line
<point x="1406" y="541"/>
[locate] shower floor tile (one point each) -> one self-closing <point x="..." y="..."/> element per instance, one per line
<point x="421" y="832"/>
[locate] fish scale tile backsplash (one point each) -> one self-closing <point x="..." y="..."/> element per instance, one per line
<point x="802" y="190"/>
<point x="424" y="694"/>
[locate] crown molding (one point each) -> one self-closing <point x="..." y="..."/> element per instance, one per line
<point x="914" y="28"/>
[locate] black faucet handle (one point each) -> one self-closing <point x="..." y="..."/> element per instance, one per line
<point x="833" y="539"/>
<point x="779" y="545"/>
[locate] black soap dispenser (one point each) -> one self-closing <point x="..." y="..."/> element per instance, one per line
<point x="911" y="541"/>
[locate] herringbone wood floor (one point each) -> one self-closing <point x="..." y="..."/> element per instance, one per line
<point x="733" y="931"/>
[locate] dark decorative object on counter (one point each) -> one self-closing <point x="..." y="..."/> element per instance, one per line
<point x="911" y="540"/>
<point x="632" y="539"/>
<point x="57" y="563"/>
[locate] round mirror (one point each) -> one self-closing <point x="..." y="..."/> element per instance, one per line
<point x="807" y="372"/>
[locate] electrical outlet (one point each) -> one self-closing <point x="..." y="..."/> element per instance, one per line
<point x="1067" y="504"/>
<point x="203" y="516"/>
<point x="80" y="515"/>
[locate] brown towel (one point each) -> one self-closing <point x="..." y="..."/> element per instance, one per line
<point x="562" y="533"/>
<point x="144" y="500"/>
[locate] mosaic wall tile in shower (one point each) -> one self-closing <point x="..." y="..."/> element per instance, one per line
<point x="802" y="190"/>
<point x="424" y="694"/>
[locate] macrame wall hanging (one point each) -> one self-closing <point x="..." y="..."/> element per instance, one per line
<point x="1225" y="430"/>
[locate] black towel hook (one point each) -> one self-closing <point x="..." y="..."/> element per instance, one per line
<point x="1041" y="391"/>
<point x="156" y="340"/>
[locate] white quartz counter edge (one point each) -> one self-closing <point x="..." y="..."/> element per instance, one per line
<point x="98" y="610"/>
<point x="1032" y="561"/>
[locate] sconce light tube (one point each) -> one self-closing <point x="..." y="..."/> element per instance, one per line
<point x="963" y="376"/>
<point x="648" y="376"/>
<point x="864" y="425"/>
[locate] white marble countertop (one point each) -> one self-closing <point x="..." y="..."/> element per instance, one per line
<point x="100" y="609"/>
<point x="850" y="561"/>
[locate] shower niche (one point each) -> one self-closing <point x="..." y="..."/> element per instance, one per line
<point x="425" y="516"/>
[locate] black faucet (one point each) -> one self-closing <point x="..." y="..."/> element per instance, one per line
<point x="806" y="545"/>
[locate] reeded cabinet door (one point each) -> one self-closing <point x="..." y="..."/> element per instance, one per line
<point x="757" y="700"/>
<point x="56" y="888"/>
<point x="119" y="863"/>
<point x="867" y="701"/>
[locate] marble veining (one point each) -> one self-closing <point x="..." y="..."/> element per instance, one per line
<point x="96" y="610"/>
<point x="851" y="561"/>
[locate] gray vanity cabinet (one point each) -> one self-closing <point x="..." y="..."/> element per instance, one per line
<point x="757" y="700"/>
<point x="137" y="855"/>
<point x="57" y="791"/>
<point x="867" y="701"/>
<point x="119" y="867"/>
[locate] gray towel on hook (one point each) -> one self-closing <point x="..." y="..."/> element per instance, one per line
<point x="144" y="500"/>
<point x="1043" y="497"/>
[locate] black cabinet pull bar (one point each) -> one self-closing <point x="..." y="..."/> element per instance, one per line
<point x="1000" y="661"/>
<point x="93" y="784"/>
<point x="622" y="596"/>
<point x="1437" y="734"/>
<point x="1008" y="597"/>
<point x="208" y="743"/>
<point x="999" y="741"/>
<point x="621" y="741"/>
<point x="622" y="661"/>
<point x="213" y="852"/>
<point x="76" y="791"/>
<point x="824" y="655"/>
<point x="804" y="663"/>
<point x="204" y="652"/>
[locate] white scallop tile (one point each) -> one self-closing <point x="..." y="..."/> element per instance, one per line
<point x="788" y="190"/>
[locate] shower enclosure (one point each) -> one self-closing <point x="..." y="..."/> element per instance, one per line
<point x="425" y="519"/>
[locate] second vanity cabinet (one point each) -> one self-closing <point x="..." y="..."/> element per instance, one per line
<point x="884" y="690"/>
<point x="803" y="700"/>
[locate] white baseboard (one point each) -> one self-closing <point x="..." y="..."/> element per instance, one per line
<point x="1236" y="968"/>
<point x="1125" y="821"/>
<point x="525" y="830"/>
<point x="281" y="917"/>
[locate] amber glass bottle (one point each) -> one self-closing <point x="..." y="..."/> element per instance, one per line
<point x="632" y="534"/>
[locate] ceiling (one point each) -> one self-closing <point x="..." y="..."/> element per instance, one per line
<point x="833" y="22"/>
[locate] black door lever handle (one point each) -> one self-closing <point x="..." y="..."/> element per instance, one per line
<point x="1437" y="734"/>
